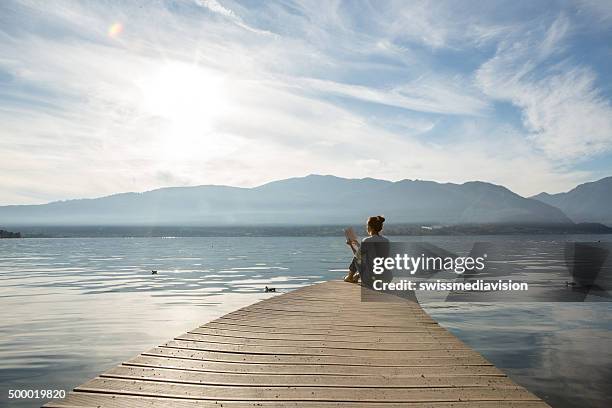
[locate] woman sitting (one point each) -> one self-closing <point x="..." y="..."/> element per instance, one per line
<point x="372" y="246"/>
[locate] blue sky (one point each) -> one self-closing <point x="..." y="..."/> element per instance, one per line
<point x="103" y="97"/>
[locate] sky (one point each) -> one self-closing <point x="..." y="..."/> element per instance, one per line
<point x="103" y="97"/>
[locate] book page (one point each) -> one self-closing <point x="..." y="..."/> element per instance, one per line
<point x="352" y="237"/>
<point x="350" y="234"/>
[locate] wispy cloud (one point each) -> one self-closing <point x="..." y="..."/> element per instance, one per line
<point x="421" y="95"/>
<point x="216" y="7"/>
<point x="595" y="10"/>
<point x="563" y="111"/>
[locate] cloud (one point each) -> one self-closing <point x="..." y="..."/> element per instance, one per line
<point x="596" y="10"/>
<point x="216" y="7"/>
<point x="422" y="95"/>
<point x="563" y="111"/>
<point x="442" y="24"/>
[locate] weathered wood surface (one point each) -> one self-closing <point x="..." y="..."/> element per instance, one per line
<point x="319" y="346"/>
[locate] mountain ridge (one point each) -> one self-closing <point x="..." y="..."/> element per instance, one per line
<point x="309" y="200"/>
<point x="587" y="202"/>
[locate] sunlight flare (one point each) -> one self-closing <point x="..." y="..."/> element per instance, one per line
<point x="115" y="30"/>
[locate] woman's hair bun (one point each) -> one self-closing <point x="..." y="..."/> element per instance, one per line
<point x="375" y="223"/>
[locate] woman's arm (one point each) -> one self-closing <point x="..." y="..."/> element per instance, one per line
<point x="354" y="245"/>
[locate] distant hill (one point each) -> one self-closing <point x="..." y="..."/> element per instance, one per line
<point x="588" y="202"/>
<point x="311" y="200"/>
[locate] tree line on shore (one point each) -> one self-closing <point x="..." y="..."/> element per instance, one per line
<point x="9" y="234"/>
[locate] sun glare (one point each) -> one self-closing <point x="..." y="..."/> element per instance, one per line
<point x="189" y="99"/>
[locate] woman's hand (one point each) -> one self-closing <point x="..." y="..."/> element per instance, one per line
<point x="350" y="244"/>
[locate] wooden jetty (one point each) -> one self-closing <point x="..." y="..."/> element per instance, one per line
<point x="318" y="346"/>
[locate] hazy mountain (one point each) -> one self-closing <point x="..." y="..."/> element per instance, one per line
<point x="311" y="200"/>
<point x="588" y="202"/>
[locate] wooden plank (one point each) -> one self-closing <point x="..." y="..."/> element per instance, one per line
<point x="323" y="309"/>
<point x="317" y="346"/>
<point x="326" y="336"/>
<point x="330" y="350"/>
<point x="303" y="380"/>
<point x="398" y="361"/>
<point x="328" y="329"/>
<point x="323" y="306"/>
<point x="312" y="369"/>
<point x="96" y="400"/>
<point x="354" y="319"/>
<point x="279" y="345"/>
<point x="349" y="394"/>
<point x="316" y="352"/>
<point x="350" y="321"/>
<point x="240" y="337"/>
<point x="325" y="325"/>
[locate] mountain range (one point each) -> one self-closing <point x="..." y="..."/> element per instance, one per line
<point x="588" y="202"/>
<point x="322" y="200"/>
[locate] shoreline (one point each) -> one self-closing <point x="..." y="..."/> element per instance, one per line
<point x="145" y="231"/>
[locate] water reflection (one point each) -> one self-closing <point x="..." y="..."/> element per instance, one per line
<point x="560" y="351"/>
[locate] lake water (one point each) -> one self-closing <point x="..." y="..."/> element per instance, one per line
<point x="72" y="308"/>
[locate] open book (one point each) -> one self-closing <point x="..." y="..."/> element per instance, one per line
<point x="352" y="238"/>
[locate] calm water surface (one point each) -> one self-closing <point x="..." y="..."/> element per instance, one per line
<point x="72" y="308"/>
